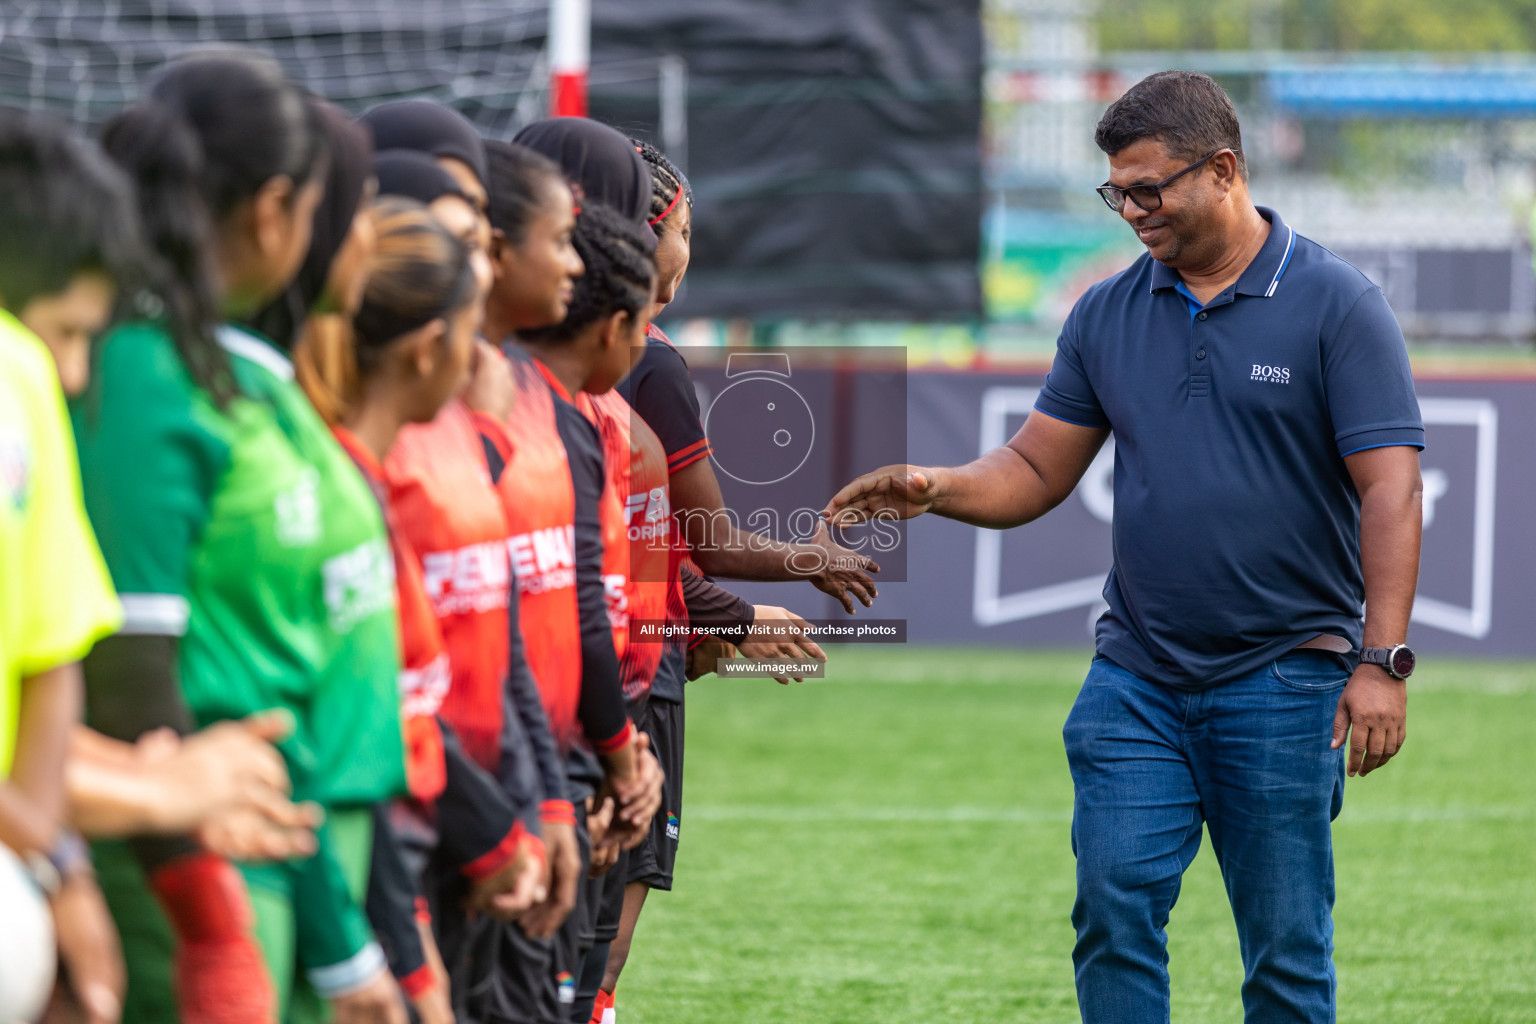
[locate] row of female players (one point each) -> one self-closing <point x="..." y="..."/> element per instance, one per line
<point x="360" y="441"/>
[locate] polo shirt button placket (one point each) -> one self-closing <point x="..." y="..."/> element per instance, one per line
<point x="1199" y="382"/>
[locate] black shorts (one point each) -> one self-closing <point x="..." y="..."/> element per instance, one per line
<point x="519" y="980"/>
<point x="651" y="862"/>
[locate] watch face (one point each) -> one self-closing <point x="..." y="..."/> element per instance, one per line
<point x="1402" y="662"/>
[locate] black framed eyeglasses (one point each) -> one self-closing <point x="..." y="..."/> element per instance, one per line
<point x="1148" y="197"/>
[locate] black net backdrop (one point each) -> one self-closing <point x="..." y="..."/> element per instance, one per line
<point x="85" y="58"/>
<point x="834" y="147"/>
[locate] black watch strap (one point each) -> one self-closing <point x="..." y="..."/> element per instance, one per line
<point x="1398" y="661"/>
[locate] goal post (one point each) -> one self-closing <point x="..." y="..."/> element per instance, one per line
<point x="570" y="56"/>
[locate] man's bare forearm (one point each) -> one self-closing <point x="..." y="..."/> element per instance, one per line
<point x="1391" y="525"/>
<point x="998" y="491"/>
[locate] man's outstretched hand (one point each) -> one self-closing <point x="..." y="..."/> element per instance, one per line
<point x="892" y="492"/>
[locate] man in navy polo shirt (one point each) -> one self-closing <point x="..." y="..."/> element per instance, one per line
<point x="1266" y="487"/>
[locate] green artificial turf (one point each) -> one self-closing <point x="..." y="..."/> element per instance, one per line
<point x="891" y="845"/>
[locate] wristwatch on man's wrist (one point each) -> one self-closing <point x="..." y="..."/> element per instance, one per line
<point x="1398" y="661"/>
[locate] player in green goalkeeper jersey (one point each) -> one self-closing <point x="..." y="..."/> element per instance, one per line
<point x="251" y="560"/>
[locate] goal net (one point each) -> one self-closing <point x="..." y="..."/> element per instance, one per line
<point x="84" y="59"/>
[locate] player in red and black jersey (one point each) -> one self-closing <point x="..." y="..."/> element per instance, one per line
<point x="644" y="576"/>
<point x="446" y="502"/>
<point x="661" y="392"/>
<point x="409" y="346"/>
<point x="589" y="352"/>
<point x="552" y="488"/>
<point x="413" y="350"/>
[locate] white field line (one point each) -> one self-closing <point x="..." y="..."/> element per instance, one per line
<point x="1498" y="684"/>
<point x="1041" y="815"/>
<point x="900" y="675"/>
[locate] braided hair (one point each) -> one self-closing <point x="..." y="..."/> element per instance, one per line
<point x="620" y="272"/>
<point x="666" y="184"/>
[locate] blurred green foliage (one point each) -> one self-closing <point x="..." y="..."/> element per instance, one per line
<point x="1430" y="25"/>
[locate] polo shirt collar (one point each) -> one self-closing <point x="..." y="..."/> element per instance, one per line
<point x="1263" y="275"/>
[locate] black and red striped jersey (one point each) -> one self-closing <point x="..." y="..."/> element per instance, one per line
<point x="552" y="490"/>
<point x="642" y="553"/>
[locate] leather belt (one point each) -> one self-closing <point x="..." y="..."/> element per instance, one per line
<point x="1326" y="642"/>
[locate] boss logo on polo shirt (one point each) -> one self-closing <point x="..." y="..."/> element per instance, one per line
<point x="1271" y="374"/>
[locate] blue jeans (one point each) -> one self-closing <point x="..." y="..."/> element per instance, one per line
<point x="1250" y="759"/>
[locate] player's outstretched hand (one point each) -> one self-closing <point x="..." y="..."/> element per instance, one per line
<point x="844" y="573"/>
<point x="780" y="635"/>
<point x="899" y="492"/>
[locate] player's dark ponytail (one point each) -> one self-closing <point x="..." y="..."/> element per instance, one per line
<point x="212" y="131"/>
<point x="162" y="155"/>
<point x="518" y="186"/>
<point x="668" y="185"/>
<point x="618" y="278"/>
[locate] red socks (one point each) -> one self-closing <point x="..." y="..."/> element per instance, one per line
<point x="221" y="976"/>
<point x="602" y="1007"/>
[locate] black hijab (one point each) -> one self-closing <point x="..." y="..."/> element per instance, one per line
<point x="426" y="127"/>
<point x="349" y="151"/>
<point x="415" y="175"/>
<point x="598" y="159"/>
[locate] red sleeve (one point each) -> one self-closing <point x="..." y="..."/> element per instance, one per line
<point x="418" y="983"/>
<point x="494" y="859"/>
<point x="557" y="812"/>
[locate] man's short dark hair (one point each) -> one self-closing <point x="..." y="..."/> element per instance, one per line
<point x="1184" y="110"/>
<point x="64" y="209"/>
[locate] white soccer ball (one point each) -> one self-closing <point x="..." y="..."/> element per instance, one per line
<point x="26" y="943"/>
